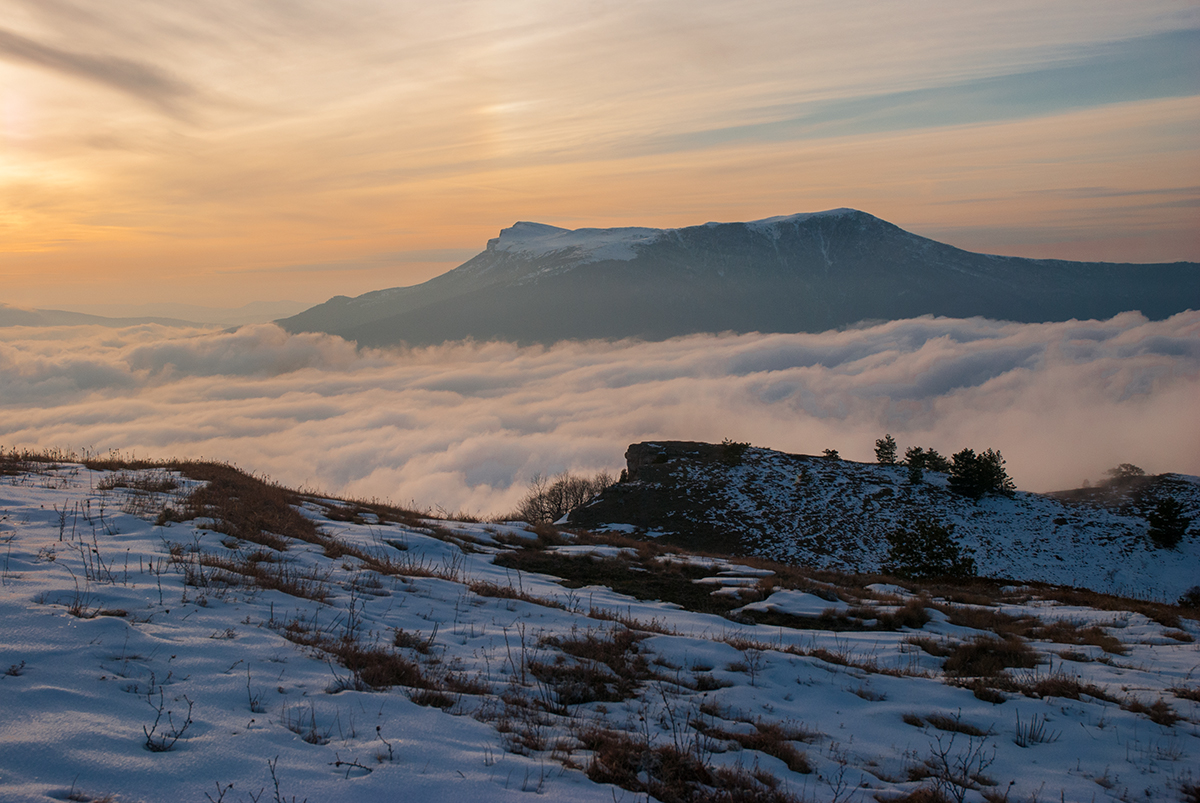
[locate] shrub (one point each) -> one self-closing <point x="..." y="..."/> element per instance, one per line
<point x="927" y="549"/>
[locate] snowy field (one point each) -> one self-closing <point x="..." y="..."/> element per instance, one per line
<point x="387" y="657"/>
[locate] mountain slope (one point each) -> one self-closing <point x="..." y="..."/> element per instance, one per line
<point x="799" y="273"/>
<point x="816" y="511"/>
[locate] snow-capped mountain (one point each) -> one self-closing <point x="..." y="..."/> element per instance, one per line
<point x="797" y="273"/>
<point x="817" y="511"/>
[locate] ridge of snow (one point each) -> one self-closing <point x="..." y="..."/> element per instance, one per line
<point x="593" y="245"/>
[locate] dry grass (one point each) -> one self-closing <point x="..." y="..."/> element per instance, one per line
<point x="672" y="774"/>
<point x="1059" y="684"/>
<point x="596" y="666"/>
<point x="938" y="648"/>
<point x="772" y="738"/>
<point x="954" y="724"/>
<point x="258" y="570"/>
<point x="1159" y="711"/>
<point x="979" y="617"/>
<point x="30" y="461"/>
<point x="924" y="794"/>
<point x="486" y="588"/>
<point x="986" y="656"/>
<point x="1187" y="693"/>
<point x="1065" y="632"/>
<point x="157" y="481"/>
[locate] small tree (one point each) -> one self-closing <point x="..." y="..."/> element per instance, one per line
<point x="975" y="475"/>
<point x="1124" y="471"/>
<point x="885" y="451"/>
<point x="732" y="451"/>
<point x="549" y="500"/>
<point x="935" y="462"/>
<point x="926" y="548"/>
<point x="832" y="454"/>
<point x="1168" y="525"/>
<point x="929" y="460"/>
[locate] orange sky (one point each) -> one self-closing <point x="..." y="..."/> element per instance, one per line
<point x="227" y="152"/>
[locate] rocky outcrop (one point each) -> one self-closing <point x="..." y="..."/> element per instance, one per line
<point x="827" y="512"/>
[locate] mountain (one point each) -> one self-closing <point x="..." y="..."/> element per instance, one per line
<point x="818" y="511"/>
<point x="799" y="273"/>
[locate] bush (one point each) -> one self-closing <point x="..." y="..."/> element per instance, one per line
<point x="927" y="549"/>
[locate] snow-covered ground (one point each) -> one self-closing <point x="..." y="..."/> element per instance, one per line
<point x="135" y="673"/>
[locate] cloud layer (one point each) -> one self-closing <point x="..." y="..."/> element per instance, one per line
<point x="464" y="425"/>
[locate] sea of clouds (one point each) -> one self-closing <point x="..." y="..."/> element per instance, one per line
<point x="463" y="426"/>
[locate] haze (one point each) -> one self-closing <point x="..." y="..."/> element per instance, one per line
<point x="221" y="153"/>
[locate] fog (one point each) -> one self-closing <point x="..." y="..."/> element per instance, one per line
<point x="463" y="426"/>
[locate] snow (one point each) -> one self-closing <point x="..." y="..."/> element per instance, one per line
<point x="797" y="603"/>
<point x="537" y="240"/>
<point x="80" y="691"/>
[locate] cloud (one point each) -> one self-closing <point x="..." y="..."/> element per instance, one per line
<point x="141" y="80"/>
<point x="464" y="425"/>
<point x="1163" y="65"/>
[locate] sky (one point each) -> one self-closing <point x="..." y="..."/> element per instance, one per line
<point x="227" y="152"/>
<point x="464" y="426"/>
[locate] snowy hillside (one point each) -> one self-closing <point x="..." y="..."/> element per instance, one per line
<point x="189" y="633"/>
<point x="791" y="273"/>
<point x="837" y="514"/>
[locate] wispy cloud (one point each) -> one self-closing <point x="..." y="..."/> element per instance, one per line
<point x="141" y="80"/>
<point x="1160" y="66"/>
<point x="465" y="425"/>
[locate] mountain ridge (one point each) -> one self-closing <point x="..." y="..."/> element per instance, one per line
<point x="795" y="273"/>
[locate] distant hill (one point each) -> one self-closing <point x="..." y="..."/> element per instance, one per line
<point x="16" y="316"/>
<point x="817" y="511"/>
<point x="799" y="273"/>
